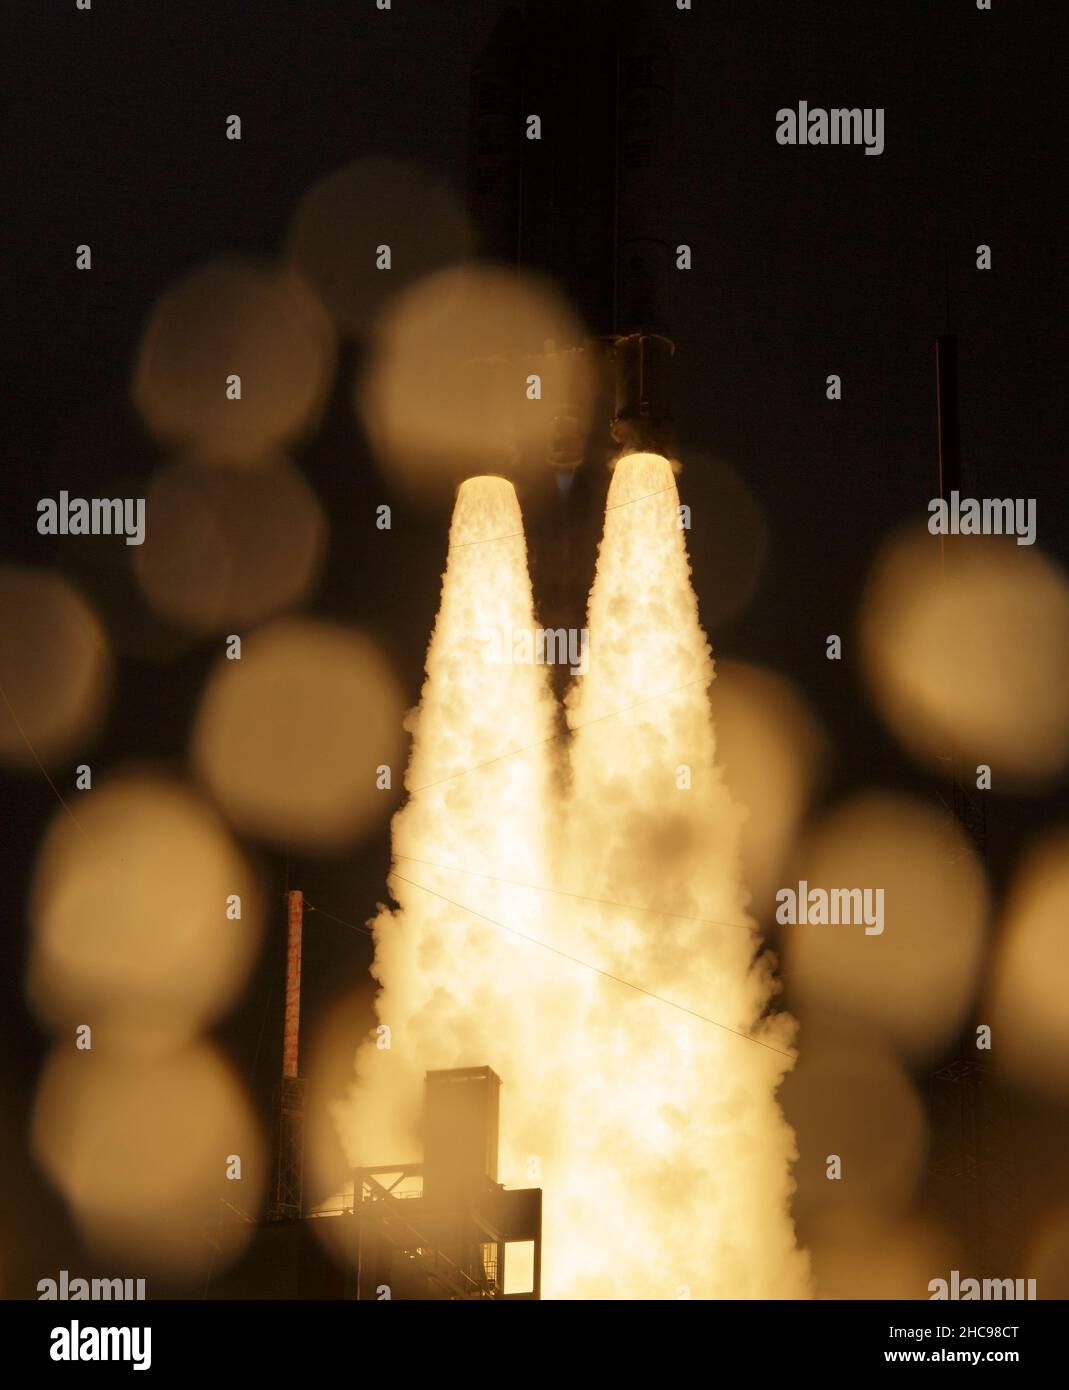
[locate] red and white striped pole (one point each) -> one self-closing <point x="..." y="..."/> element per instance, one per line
<point x="291" y="1027"/>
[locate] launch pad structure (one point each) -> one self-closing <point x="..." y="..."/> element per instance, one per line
<point x="442" y="1228"/>
<point x="446" y="1228"/>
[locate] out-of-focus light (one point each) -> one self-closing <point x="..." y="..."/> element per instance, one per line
<point x="1026" y="1000"/>
<point x="731" y="558"/>
<point x="227" y="547"/>
<point x="447" y="391"/>
<point x="915" y="978"/>
<point x="328" y="1066"/>
<point x="142" y="1152"/>
<point x="975" y="658"/>
<point x="227" y="320"/>
<point x="772" y="750"/>
<point x="897" y="1262"/>
<point x="55" y="667"/>
<point x="291" y="738"/>
<point x="133" y="910"/>
<point x="347" y="221"/>
<point x="850" y="1098"/>
<point x="1047" y="1261"/>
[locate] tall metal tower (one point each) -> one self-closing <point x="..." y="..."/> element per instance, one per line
<point x="288" y="1201"/>
<point x="972" y="1172"/>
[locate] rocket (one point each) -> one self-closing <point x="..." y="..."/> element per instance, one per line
<point x="586" y="202"/>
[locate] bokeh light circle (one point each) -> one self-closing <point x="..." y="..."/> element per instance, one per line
<point x="55" y="667"/>
<point x="141" y="1150"/>
<point x="1029" y="984"/>
<point x="345" y="217"/>
<point x="228" y="547"/>
<point x="916" y="978"/>
<point x="446" y="392"/>
<point x="234" y="318"/>
<point x="965" y="643"/>
<point x="289" y="738"/>
<point x="129" y="906"/>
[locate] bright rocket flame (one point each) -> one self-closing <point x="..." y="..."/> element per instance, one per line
<point x="456" y="989"/>
<point x="686" y="1154"/>
<point x="638" y="1071"/>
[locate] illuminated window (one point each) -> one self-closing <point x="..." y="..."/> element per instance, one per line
<point x="519" y="1266"/>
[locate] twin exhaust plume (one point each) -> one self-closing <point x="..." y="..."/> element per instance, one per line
<point x="570" y="913"/>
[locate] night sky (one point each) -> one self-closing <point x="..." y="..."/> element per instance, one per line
<point x="805" y="262"/>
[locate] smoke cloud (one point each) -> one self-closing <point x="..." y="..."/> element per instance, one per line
<point x="571" y="913"/>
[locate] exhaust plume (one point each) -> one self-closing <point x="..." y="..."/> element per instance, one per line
<point x="639" y="1066"/>
<point x="457" y="989"/>
<point x="680" y="1134"/>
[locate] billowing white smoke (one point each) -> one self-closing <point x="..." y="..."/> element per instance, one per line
<point x="679" y="1132"/>
<point x="458" y="990"/>
<point x="638" y="1068"/>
